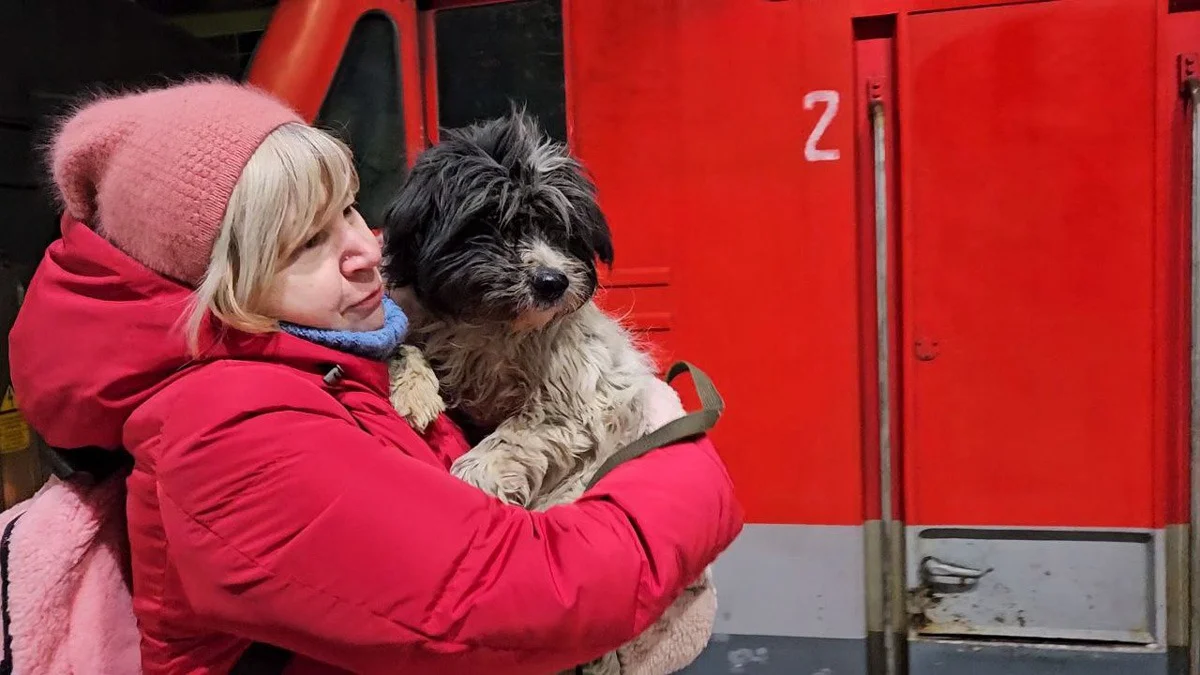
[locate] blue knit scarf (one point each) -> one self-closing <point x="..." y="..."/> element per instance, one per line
<point x="373" y="344"/>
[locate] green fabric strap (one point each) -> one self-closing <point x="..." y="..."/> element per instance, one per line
<point x="687" y="427"/>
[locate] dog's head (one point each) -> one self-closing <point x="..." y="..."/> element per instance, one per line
<point x="496" y="222"/>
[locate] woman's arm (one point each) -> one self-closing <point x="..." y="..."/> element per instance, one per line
<point x="446" y="439"/>
<point x="290" y="525"/>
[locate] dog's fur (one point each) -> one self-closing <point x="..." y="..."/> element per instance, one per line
<point x="486" y="218"/>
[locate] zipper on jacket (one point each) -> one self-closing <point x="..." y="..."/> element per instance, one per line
<point x="334" y="375"/>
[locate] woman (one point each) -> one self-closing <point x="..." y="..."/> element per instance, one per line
<point x="215" y="307"/>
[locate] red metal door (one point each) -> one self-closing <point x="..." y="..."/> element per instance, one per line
<point x="352" y="67"/>
<point x="1031" y="432"/>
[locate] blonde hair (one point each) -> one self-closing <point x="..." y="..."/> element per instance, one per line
<point x="293" y="186"/>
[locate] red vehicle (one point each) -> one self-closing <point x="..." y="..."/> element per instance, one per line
<point x="937" y="252"/>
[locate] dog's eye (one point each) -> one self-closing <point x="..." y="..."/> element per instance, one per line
<point x="477" y="227"/>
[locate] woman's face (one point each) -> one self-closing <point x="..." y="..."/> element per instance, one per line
<point x="333" y="280"/>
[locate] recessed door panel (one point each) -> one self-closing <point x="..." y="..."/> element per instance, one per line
<point x="1028" y="267"/>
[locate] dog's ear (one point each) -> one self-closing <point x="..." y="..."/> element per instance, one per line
<point x="592" y="226"/>
<point x="405" y="223"/>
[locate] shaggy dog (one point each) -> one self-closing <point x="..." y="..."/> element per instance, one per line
<point x="492" y="244"/>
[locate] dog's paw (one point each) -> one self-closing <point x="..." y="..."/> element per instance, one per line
<point x="496" y="473"/>
<point x="414" y="388"/>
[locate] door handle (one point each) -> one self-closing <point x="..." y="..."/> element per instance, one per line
<point x="892" y="601"/>
<point x="944" y="577"/>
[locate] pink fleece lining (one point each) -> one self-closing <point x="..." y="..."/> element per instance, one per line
<point x="69" y="605"/>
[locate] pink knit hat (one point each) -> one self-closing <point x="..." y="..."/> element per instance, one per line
<point x="154" y="171"/>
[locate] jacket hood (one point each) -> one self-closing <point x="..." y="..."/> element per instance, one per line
<point x="98" y="334"/>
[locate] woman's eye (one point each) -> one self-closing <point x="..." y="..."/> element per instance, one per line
<point x="316" y="240"/>
<point x="349" y="209"/>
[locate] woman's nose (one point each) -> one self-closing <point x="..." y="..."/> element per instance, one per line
<point x="362" y="252"/>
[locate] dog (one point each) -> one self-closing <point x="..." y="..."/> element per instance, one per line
<point x="491" y="247"/>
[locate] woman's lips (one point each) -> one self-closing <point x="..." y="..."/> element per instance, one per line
<point x="371" y="301"/>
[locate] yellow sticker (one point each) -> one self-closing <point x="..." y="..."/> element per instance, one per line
<point x="14" y="433"/>
<point x="14" y="430"/>
<point x="9" y="404"/>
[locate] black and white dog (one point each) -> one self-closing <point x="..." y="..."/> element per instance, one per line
<point x="492" y="246"/>
<point x="495" y="239"/>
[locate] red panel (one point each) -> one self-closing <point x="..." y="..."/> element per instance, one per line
<point x="1030" y="255"/>
<point x="641" y="298"/>
<point x="454" y="4"/>
<point x="691" y="115"/>
<point x="299" y="55"/>
<point x="885" y="7"/>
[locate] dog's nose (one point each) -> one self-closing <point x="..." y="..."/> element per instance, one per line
<point x="549" y="285"/>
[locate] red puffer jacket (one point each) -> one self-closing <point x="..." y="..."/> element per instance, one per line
<point x="267" y="505"/>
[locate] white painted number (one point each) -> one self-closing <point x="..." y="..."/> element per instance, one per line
<point x="830" y="99"/>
